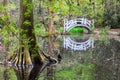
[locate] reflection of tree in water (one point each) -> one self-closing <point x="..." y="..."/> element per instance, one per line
<point x="51" y="45"/>
<point x="23" y="73"/>
<point x="51" y="72"/>
<point x="30" y="73"/>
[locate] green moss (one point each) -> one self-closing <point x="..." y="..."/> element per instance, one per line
<point x="27" y="23"/>
<point x="29" y="7"/>
<point x="39" y="29"/>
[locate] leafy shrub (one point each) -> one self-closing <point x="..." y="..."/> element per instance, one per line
<point x="105" y="30"/>
<point x="77" y="30"/>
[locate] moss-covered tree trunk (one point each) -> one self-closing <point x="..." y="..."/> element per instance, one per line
<point x="29" y="52"/>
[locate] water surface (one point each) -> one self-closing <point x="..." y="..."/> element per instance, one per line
<point x="84" y="57"/>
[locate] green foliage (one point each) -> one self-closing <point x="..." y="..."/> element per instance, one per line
<point x="69" y="74"/>
<point x="104" y="39"/>
<point x="12" y="74"/>
<point x="88" y="72"/>
<point x="112" y="13"/>
<point x="77" y="30"/>
<point x="29" y="8"/>
<point x="39" y="29"/>
<point x="24" y="36"/>
<point x="61" y="29"/>
<point x="7" y="73"/>
<point x="1" y="8"/>
<point x="25" y="2"/>
<point x="7" y="23"/>
<point x="27" y="14"/>
<point x="105" y="30"/>
<point x="83" y="72"/>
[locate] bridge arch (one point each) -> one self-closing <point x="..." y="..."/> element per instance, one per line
<point x="81" y="22"/>
<point x="79" y="25"/>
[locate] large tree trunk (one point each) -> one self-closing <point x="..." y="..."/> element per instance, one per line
<point x="28" y="46"/>
<point x="29" y="51"/>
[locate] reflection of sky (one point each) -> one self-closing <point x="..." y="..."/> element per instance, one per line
<point x="78" y="44"/>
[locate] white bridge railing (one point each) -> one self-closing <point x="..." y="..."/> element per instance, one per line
<point x="84" y="45"/>
<point x="82" y="22"/>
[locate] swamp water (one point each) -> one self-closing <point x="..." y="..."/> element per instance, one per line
<point x="81" y="57"/>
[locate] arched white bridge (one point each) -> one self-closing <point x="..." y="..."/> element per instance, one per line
<point x="81" y="22"/>
<point x="81" y="46"/>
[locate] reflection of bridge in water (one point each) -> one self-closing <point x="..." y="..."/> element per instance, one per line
<point x="82" y="44"/>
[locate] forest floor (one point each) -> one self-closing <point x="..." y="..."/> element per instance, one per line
<point x="112" y="33"/>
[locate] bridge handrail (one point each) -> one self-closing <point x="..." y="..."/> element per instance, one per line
<point x="83" y="21"/>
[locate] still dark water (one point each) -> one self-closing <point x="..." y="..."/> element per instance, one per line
<point x="84" y="57"/>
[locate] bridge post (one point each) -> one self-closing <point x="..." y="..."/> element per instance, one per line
<point x="65" y="24"/>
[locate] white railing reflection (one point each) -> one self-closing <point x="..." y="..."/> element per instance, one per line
<point x="81" y="45"/>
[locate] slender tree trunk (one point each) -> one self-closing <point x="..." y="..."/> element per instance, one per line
<point x="5" y="2"/>
<point x="51" y="22"/>
<point x="51" y="46"/>
<point x="6" y="24"/>
<point x="51" y="26"/>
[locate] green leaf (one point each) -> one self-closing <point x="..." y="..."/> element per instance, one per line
<point x="27" y="23"/>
